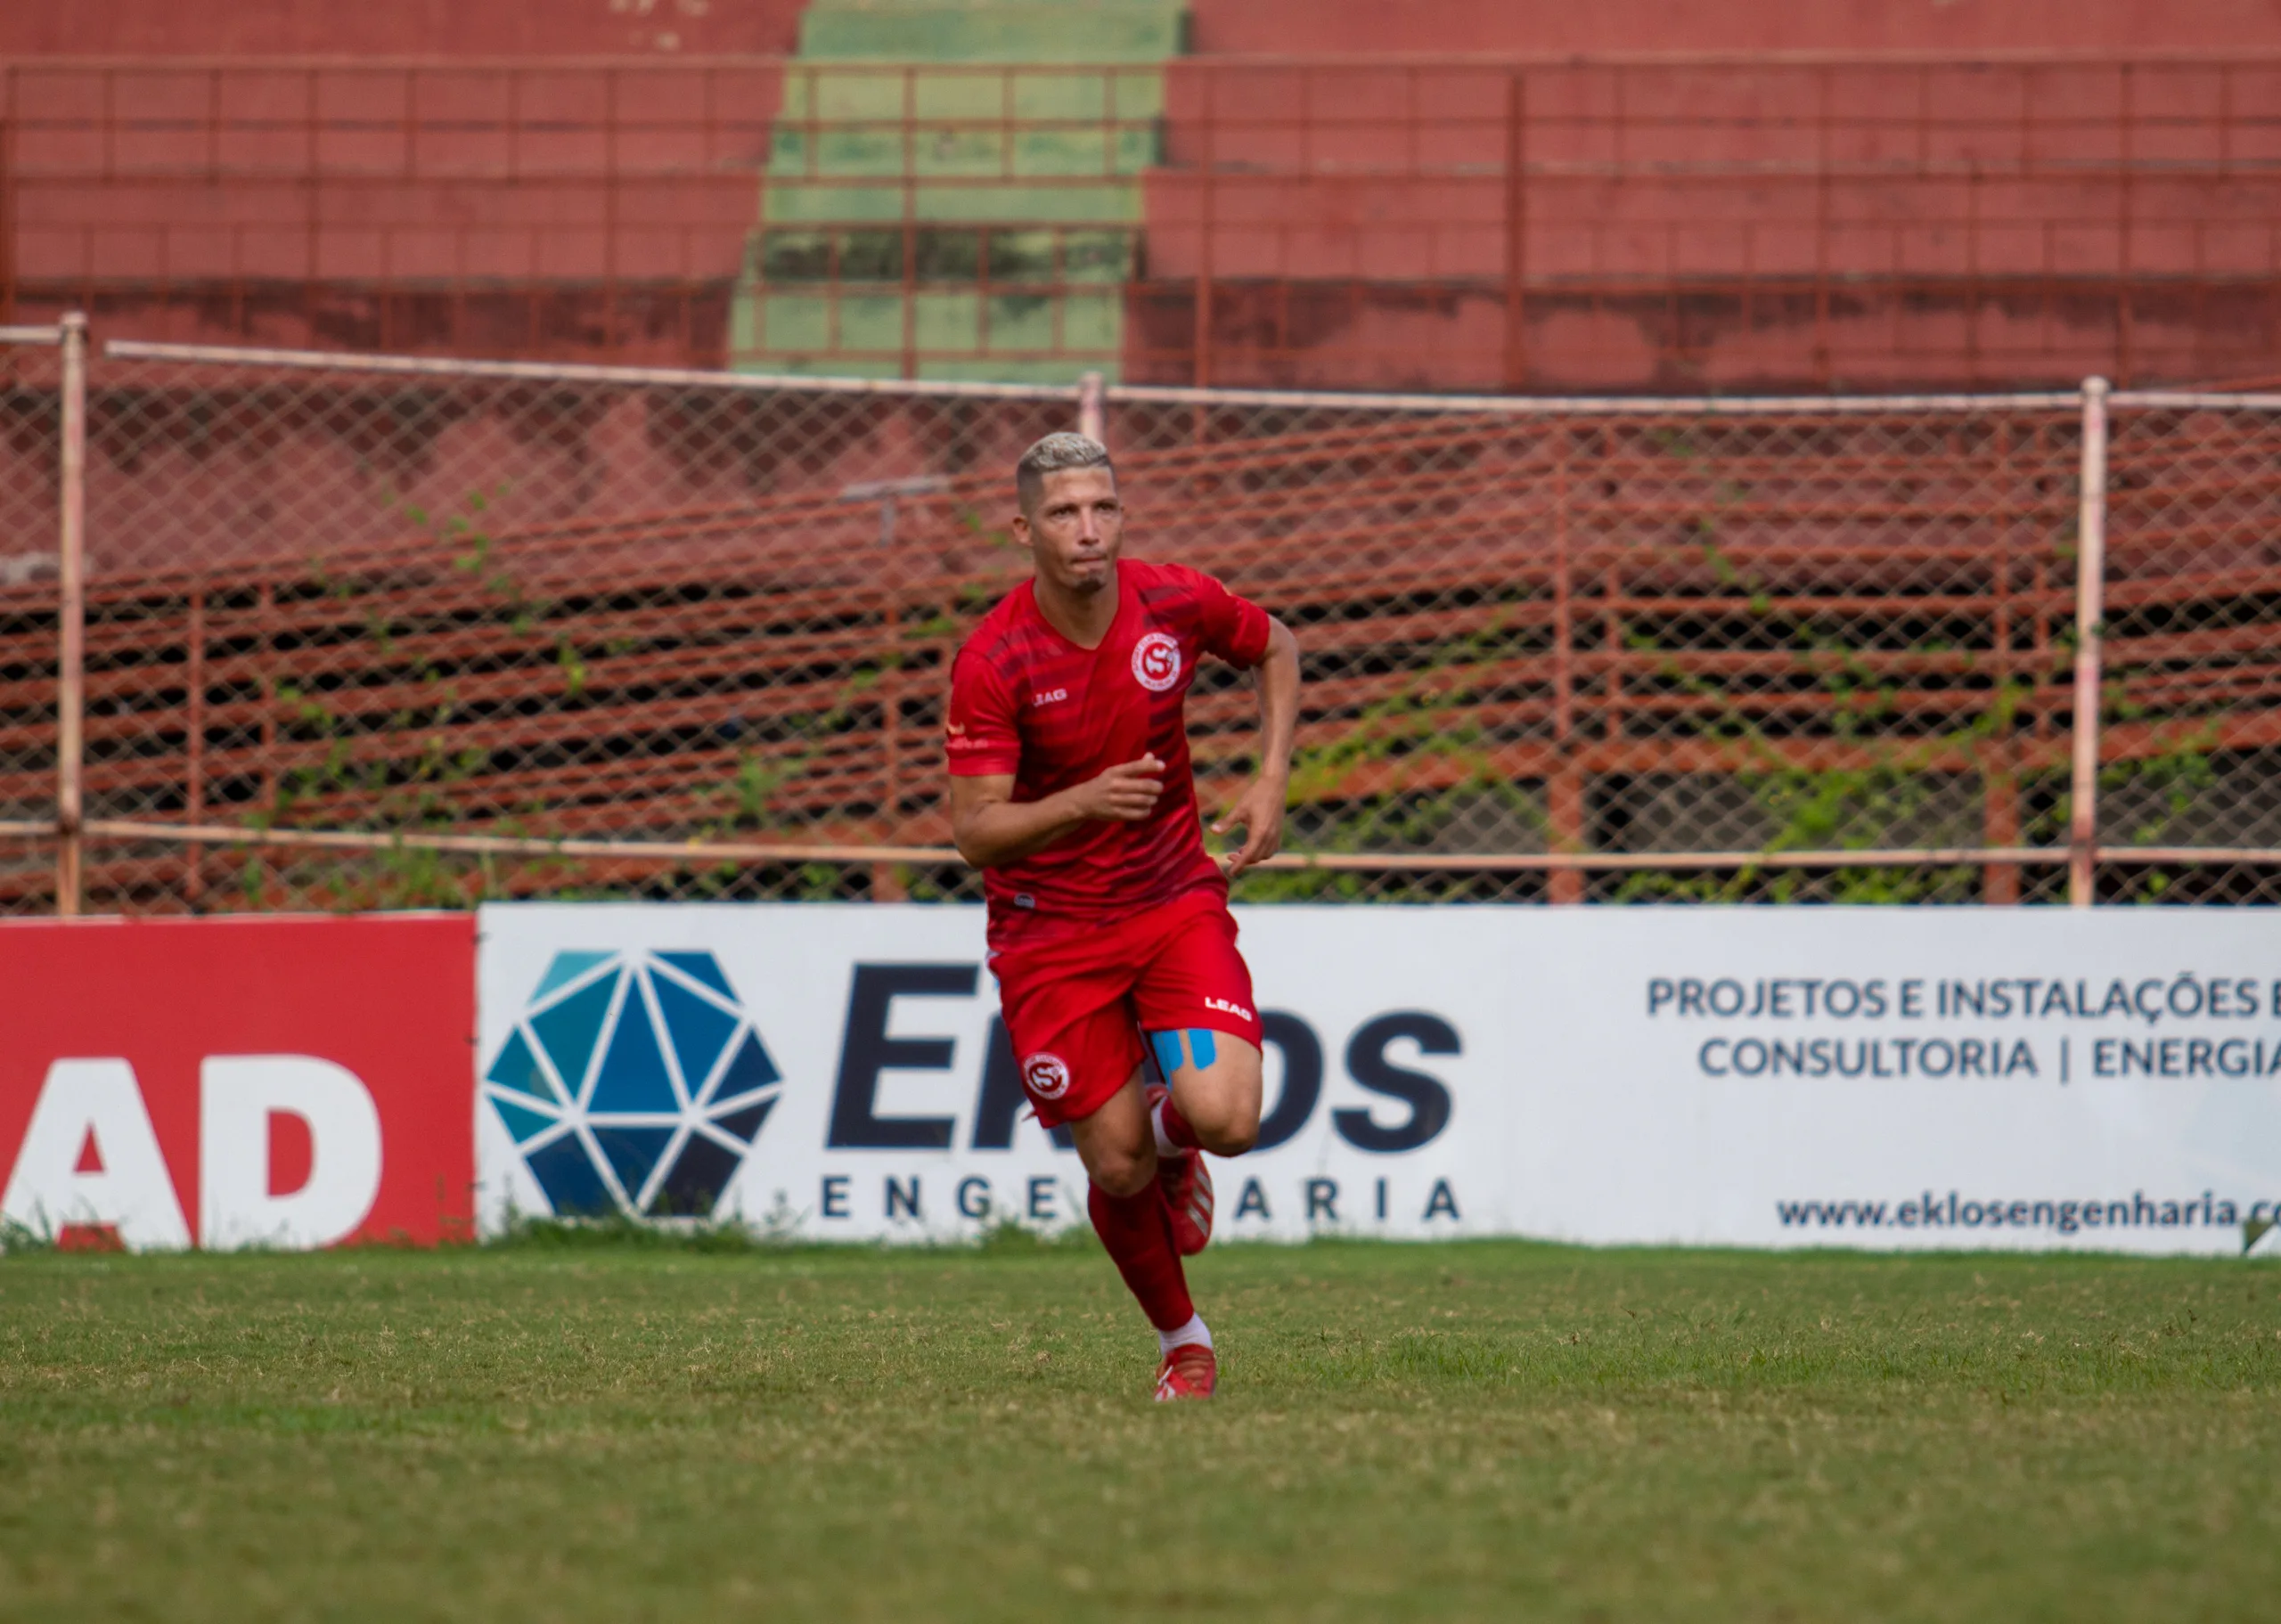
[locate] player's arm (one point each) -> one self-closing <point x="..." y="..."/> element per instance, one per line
<point x="991" y="828"/>
<point x="1260" y="808"/>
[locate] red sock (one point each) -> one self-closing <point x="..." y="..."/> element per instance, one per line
<point x="1177" y="1128"/>
<point x="1138" y="1232"/>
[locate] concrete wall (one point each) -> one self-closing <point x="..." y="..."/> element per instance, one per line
<point x="531" y="209"/>
<point x="612" y="27"/>
<point x="1773" y="223"/>
<point x="396" y="28"/>
<point x="1561" y="26"/>
<point x="1971" y="223"/>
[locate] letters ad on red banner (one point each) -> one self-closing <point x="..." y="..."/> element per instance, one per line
<point x="280" y="1082"/>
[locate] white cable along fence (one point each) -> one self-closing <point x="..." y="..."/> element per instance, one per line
<point x="291" y="630"/>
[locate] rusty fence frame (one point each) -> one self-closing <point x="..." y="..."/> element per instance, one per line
<point x="2081" y="856"/>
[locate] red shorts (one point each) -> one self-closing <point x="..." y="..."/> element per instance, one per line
<point x="1076" y="1005"/>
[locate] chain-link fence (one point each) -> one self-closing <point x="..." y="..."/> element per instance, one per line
<point x="2191" y="711"/>
<point x="372" y="632"/>
<point x="31" y="493"/>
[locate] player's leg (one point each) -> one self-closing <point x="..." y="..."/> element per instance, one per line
<point x="1214" y="1080"/>
<point x="1215" y="1076"/>
<point x="1089" y="1076"/>
<point x="1195" y="999"/>
<point x="1114" y="1141"/>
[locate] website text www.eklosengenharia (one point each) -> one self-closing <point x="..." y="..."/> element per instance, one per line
<point x="1955" y="1211"/>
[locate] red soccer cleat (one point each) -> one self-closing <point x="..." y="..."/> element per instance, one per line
<point x="1189" y="1372"/>
<point x="1187" y="1184"/>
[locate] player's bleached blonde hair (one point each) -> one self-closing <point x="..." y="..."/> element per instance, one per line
<point x="1052" y="455"/>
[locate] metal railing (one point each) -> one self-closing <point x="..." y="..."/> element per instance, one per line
<point x="290" y="629"/>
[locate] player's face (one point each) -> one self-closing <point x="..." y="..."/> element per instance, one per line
<point x="1075" y="530"/>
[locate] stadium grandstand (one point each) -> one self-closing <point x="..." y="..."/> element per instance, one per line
<point x="1630" y="197"/>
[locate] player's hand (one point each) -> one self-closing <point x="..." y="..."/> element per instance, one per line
<point x="1125" y="794"/>
<point x="1260" y="811"/>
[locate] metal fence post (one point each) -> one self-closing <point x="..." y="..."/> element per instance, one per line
<point x="2090" y="610"/>
<point x="1200" y="361"/>
<point x="7" y="193"/>
<point x="71" y="611"/>
<point x="1517" y="234"/>
<point x="1092" y="420"/>
<point x="910" y="222"/>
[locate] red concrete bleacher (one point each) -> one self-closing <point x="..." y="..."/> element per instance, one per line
<point x="400" y="28"/>
<point x="1864" y="219"/>
<point x="1374" y="28"/>
<point x="1804" y="193"/>
<point x="490" y="177"/>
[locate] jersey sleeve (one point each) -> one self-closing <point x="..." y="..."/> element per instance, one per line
<point x="1234" y="629"/>
<point x="979" y="737"/>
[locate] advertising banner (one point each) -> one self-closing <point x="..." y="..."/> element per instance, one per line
<point x="1873" y="1077"/>
<point x="287" y="1082"/>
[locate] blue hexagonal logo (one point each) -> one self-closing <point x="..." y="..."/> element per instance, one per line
<point x="634" y="1084"/>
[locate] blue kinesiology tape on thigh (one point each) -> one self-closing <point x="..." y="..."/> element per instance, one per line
<point x="1203" y="1050"/>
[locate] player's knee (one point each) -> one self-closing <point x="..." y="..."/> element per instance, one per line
<point x="1122" y="1172"/>
<point x="1227" y="1122"/>
<point x="1234" y="1140"/>
<point x="1231" y="1137"/>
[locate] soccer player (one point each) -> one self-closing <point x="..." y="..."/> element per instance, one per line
<point x="1109" y="921"/>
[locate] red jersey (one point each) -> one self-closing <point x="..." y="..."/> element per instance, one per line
<point x="1025" y="700"/>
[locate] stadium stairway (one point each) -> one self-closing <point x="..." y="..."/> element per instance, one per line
<point x="857" y="270"/>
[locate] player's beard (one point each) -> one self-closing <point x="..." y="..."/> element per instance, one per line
<point x="1088" y="576"/>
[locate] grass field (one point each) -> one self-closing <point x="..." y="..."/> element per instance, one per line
<point x="615" y="1432"/>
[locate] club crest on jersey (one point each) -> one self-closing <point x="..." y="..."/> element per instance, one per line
<point x="1156" y="662"/>
<point x="1047" y="1075"/>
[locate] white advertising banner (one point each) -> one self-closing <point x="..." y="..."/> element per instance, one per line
<point x="1891" y="1077"/>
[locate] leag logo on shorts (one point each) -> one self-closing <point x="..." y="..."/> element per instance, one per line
<point x="1156" y="662"/>
<point x="1047" y="1075"/>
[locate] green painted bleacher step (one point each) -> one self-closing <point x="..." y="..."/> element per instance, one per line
<point x="996" y="30"/>
<point x="1052" y="161"/>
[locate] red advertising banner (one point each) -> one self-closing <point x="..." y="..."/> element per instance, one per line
<point x="289" y="1082"/>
